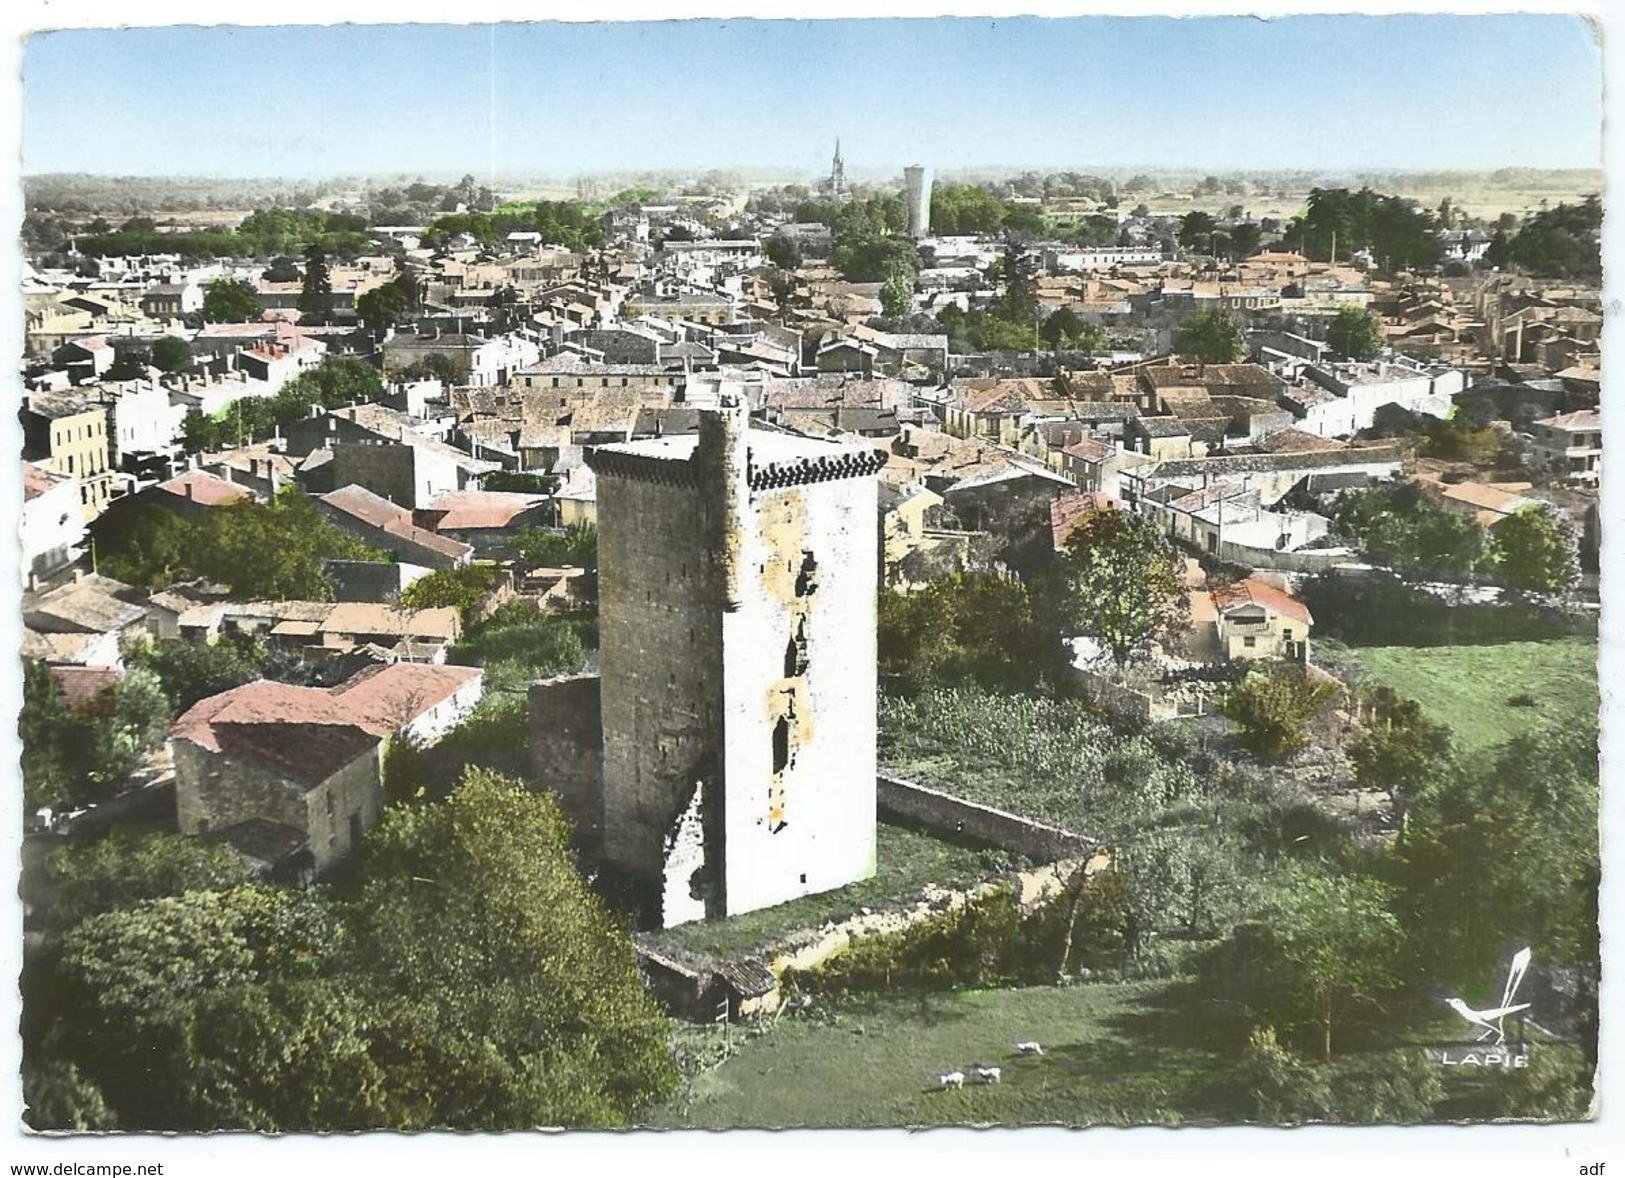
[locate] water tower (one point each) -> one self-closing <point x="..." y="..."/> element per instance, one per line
<point x="918" y="183"/>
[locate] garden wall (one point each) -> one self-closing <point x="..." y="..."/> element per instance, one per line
<point x="943" y="814"/>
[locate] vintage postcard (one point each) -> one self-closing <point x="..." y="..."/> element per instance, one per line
<point x="808" y="574"/>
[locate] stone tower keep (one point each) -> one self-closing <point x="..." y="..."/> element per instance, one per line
<point x="737" y="645"/>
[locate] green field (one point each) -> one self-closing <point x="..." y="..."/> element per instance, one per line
<point x="1468" y="687"/>
<point x="1110" y="1057"/>
<point x="1136" y="1053"/>
<point x="905" y="862"/>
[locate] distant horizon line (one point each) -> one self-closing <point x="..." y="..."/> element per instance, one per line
<point x="1598" y="170"/>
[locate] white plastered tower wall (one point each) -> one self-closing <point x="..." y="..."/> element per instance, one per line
<point x="799" y="696"/>
<point x="737" y="580"/>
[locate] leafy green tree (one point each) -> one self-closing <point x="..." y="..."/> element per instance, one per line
<point x="1245" y="237"/>
<point x="1400" y="526"/>
<point x="130" y="365"/>
<point x="462" y="588"/>
<point x="783" y="252"/>
<point x="1212" y="337"/>
<point x="1503" y="851"/>
<point x="576" y="545"/>
<point x="230" y="542"/>
<point x="1398" y="232"/>
<point x="80" y="755"/>
<point x="45" y="729"/>
<point x="1561" y="242"/>
<point x="171" y="354"/>
<point x="1537" y="550"/>
<point x="228" y="300"/>
<point x="1273" y="709"/>
<point x="1018" y="274"/>
<point x="1063" y="328"/>
<point x="152" y="547"/>
<point x="130" y="867"/>
<point x="569" y="225"/>
<point x="1354" y="332"/>
<point x="966" y="626"/>
<point x="965" y="209"/>
<point x="138" y="720"/>
<point x="336" y="381"/>
<point x="1196" y="230"/>
<point x="58" y="1097"/>
<point x="191" y="671"/>
<point x="1269" y="1085"/>
<point x="316" y="296"/>
<point x="150" y="992"/>
<point x="521" y="636"/>
<point x="1024" y="221"/>
<point x="435" y="366"/>
<point x="1119" y="581"/>
<point x="142" y="544"/>
<point x="382" y="306"/>
<point x="896" y="295"/>
<point x="283" y="268"/>
<point x="1321" y="962"/>
<point x="514" y="996"/>
<point x="526" y="482"/>
<point x="1400" y="748"/>
<point x="867" y="242"/>
<point x="477" y="225"/>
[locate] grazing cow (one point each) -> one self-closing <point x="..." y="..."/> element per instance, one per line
<point x="1029" y="1048"/>
<point x="987" y="1075"/>
<point x="954" y="1079"/>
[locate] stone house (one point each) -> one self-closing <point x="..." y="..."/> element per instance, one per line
<point x="1570" y="445"/>
<point x="296" y="773"/>
<point x="376" y="521"/>
<point x="1247" y="620"/>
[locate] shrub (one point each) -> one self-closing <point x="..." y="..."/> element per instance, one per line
<point x="1274" y="709"/>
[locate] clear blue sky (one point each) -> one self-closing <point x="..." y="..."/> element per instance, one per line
<point x="1318" y="93"/>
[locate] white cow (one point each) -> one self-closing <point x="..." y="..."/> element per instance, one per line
<point x="954" y="1079"/>
<point x="987" y="1075"/>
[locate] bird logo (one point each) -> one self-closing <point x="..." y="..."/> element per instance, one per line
<point x="1489" y="1021"/>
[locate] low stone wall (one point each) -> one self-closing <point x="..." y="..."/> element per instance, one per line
<point x="1121" y="700"/>
<point x="1304" y="560"/>
<point x="943" y="814"/>
<point x="692" y="986"/>
<point x="1032" y="887"/>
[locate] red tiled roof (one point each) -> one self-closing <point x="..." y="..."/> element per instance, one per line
<point x="37" y="480"/>
<point x="357" y="501"/>
<point x="395" y="695"/>
<point x="277" y="722"/>
<point x="78" y="687"/>
<point x="308" y="753"/>
<point x="200" y="486"/>
<point x="1296" y="441"/>
<point x="1252" y="591"/>
<point x="1580" y="419"/>
<point x="482" y="509"/>
<point x="1067" y="508"/>
<point x="1090" y="450"/>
